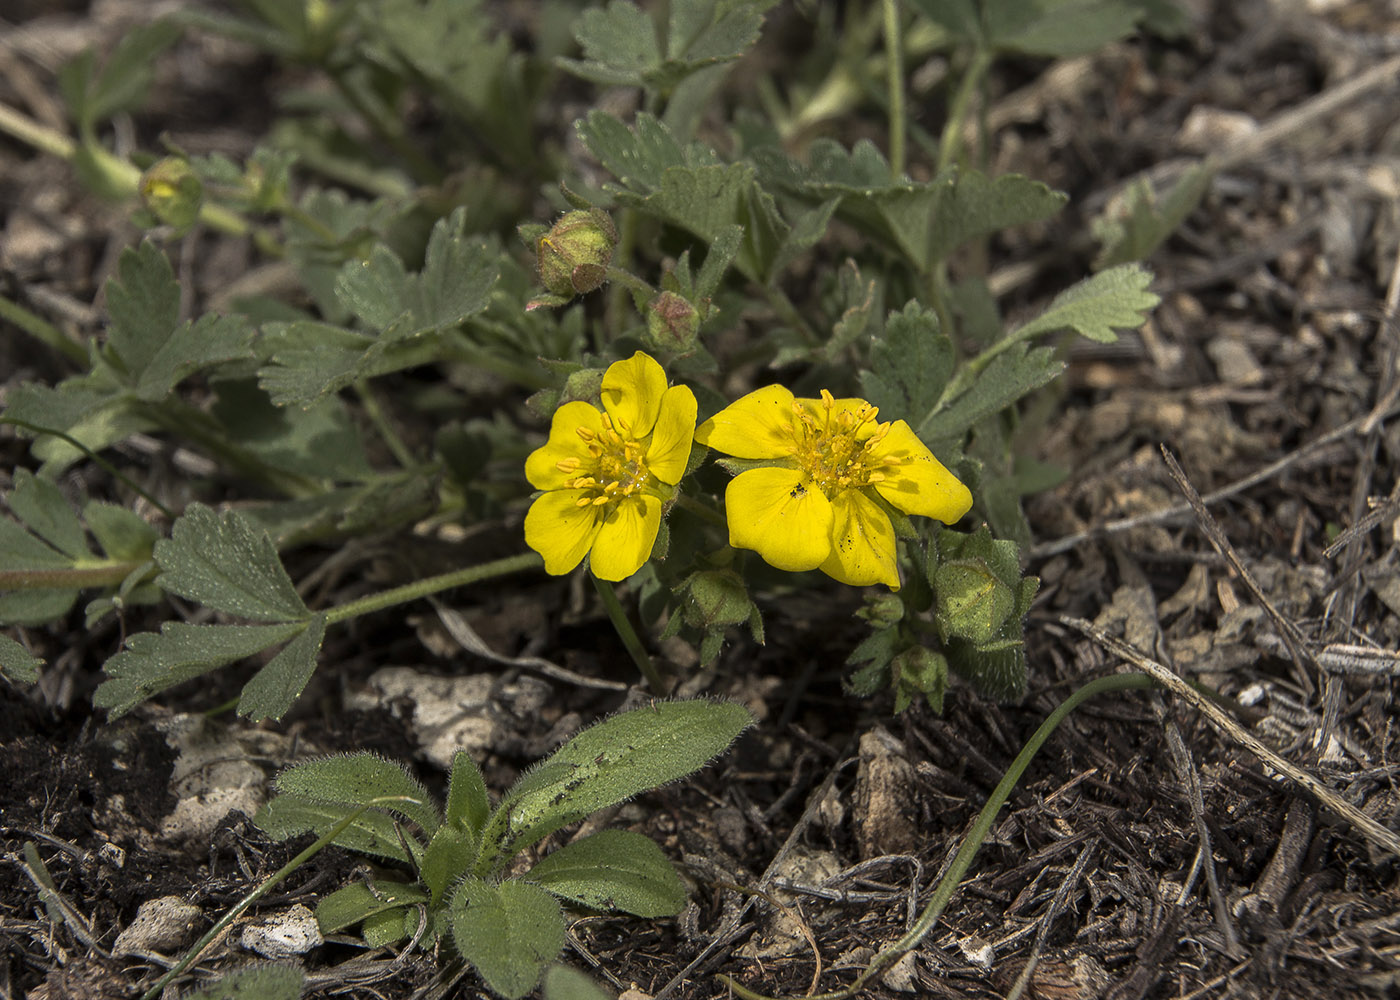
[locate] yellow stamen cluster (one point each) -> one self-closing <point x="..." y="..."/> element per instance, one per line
<point x="829" y="449"/>
<point x="616" y="466"/>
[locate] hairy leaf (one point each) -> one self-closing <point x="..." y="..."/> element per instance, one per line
<point x="349" y="905"/>
<point x="613" y="870"/>
<point x="510" y="932"/>
<point x="609" y="763"/>
<point x="1136" y="226"/>
<point x="1095" y="307"/>
<point x="1011" y="374"/>
<point x="371" y="832"/>
<point x="455" y="283"/>
<point x="227" y="564"/>
<point x="909" y="365"/>
<point x="153" y="662"/>
<point x="273" y="688"/>
<point x="564" y="983"/>
<point x="16" y="665"/>
<point x="44" y="510"/>
<point x="354" y="779"/>
<point x="266" y="981"/>
<point x="154" y="350"/>
<point x="468" y="803"/>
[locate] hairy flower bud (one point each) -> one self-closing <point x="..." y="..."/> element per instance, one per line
<point x="172" y="192"/>
<point x="574" y="255"/>
<point x="672" y="322"/>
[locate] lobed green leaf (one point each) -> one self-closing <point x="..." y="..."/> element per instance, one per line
<point x="153" y="662"/>
<point x="1098" y="306"/>
<point x="273" y="688"/>
<point x="227" y="564"/>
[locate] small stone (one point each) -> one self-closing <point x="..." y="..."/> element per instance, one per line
<point x="161" y="925"/>
<point x="281" y="935"/>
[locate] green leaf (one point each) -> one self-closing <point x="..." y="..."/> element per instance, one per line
<point x="510" y="932"/>
<point x="619" y="45"/>
<point x="354" y="779"/>
<point x="349" y="905"/>
<point x="1114" y="299"/>
<point x="227" y="564"/>
<point x="35" y="607"/>
<point x="924" y="221"/>
<point x="93" y="97"/>
<point x="1011" y="374"/>
<point x="316" y="439"/>
<point x="152" y="662"/>
<point x="154" y="350"/>
<point x="613" y="870"/>
<point x="609" y="763"/>
<point x="455" y="283"/>
<point x="1134" y="227"/>
<point x="910" y="365"/>
<point x="16" y="665"/>
<point x="448" y="856"/>
<point x="639" y="158"/>
<point x="388" y="927"/>
<point x="564" y="983"/>
<point x="44" y="510"/>
<point x="122" y="533"/>
<point x="371" y="832"/>
<point x="273" y="688"/>
<point x="468" y="803"/>
<point x="267" y="981"/>
<point x="1059" y="28"/>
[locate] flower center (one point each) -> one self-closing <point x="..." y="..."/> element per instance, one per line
<point x="615" y="467"/>
<point x="835" y="449"/>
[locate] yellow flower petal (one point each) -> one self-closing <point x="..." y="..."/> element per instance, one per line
<point x="541" y="467"/>
<point x="862" y="549"/>
<point x="626" y="537"/>
<point x="759" y="425"/>
<point x="632" y="392"/>
<point x="784" y="520"/>
<point x="560" y="530"/>
<point x="920" y="484"/>
<point x="669" y="450"/>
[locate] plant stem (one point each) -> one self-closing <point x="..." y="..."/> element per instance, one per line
<point x="701" y="510"/>
<point x="165" y="511"/>
<point x="41" y="329"/>
<point x="432" y="585"/>
<point x="381" y="423"/>
<point x="89" y="573"/>
<point x="123" y="177"/>
<point x="272" y="882"/>
<point x="894" y="77"/>
<point x="951" y="144"/>
<point x="629" y="636"/>
<point x="973" y="842"/>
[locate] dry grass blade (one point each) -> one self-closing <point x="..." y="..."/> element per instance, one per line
<point x="1377" y="834"/>
<point x="1292" y="638"/>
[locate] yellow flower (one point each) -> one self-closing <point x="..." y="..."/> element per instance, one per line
<point x="606" y="475"/>
<point x="815" y="506"/>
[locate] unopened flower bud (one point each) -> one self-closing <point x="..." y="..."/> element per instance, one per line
<point x="574" y="255"/>
<point x="172" y="192"/>
<point x="672" y="322"/>
<point x="586" y="385"/>
<point x="717" y="598"/>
